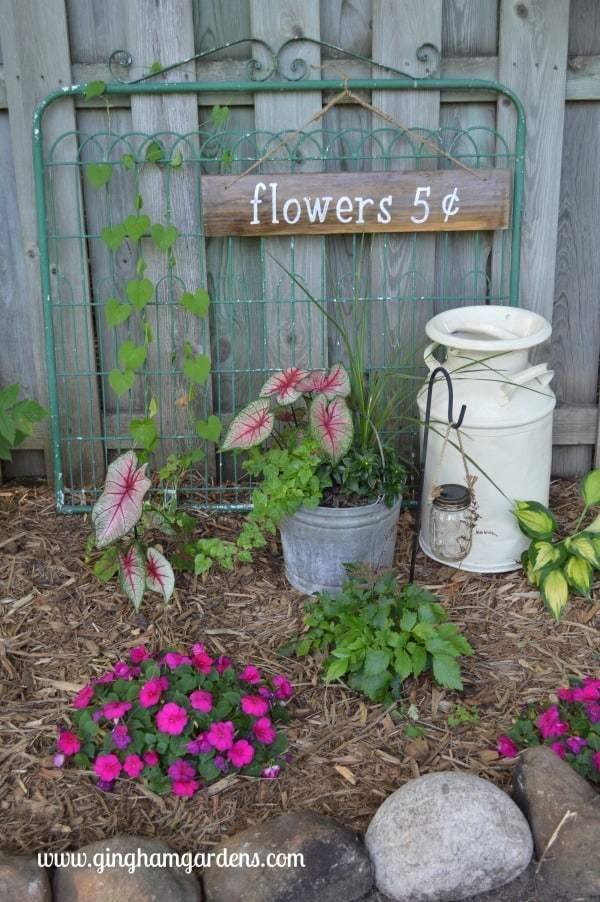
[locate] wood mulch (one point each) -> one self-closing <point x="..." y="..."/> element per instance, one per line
<point x="59" y="628"/>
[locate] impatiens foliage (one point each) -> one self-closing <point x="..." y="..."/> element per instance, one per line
<point x="120" y="517"/>
<point x="570" y="727"/>
<point x="559" y="566"/>
<point x="177" y="722"/>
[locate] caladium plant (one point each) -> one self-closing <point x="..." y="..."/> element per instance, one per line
<point x="120" y="517"/>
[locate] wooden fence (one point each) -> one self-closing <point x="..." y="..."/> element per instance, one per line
<point x="548" y="51"/>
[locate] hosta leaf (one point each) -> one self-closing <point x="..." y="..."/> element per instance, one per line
<point x="164" y="237"/>
<point x="590" y="488"/>
<point x="209" y="429"/>
<point x="542" y="553"/>
<point x="119" y="507"/>
<point x="335" y="383"/>
<point x="132" y="575"/>
<point x="594" y="527"/>
<point x="131" y="356"/>
<point x="121" y="381"/>
<point x="331" y="423"/>
<point x="555" y="592"/>
<point x="197" y="368"/>
<point x="137" y="226"/>
<point x="140" y="292"/>
<point x="446" y="671"/>
<point x="197" y="303"/>
<point x="250" y="427"/>
<point x="283" y="386"/>
<point x="159" y="574"/>
<point x="535" y="520"/>
<point x="116" y="312"/>
<point x="579" y="575"/>
<point x="583" y="547"/>
<point x="98" y="174"/>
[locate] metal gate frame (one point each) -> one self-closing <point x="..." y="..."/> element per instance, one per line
<point x="261" y="81"/>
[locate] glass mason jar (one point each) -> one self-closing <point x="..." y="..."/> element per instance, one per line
<point x="451" y="523"/>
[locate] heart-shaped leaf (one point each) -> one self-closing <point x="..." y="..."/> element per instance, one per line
<point x="113" y="236"/>
<point x="144" y="433"/>
<point x="132" y="575"/>
<point x="98" y="174"/>
<point x="139" y="292"/>
<point x="116" y="312"/>
<point x="250" y="427"/>
<point x="283" y="386"/>
<point x="154" y="152"/>
<point x="159" y="574"/>
<point x="209" y="429"/>
<point x="335" y="383"/>
<point x="121" y="381"/>
<point x="137" y="226"/>
<point x="331" y="423"/>
<point x="94" y="89"/>
<point x="128" y="161"/>
<point x="197" y="368"/>
<point x="119" y="507"/>
<point x="164" y="237"/>
<point x="197" y="303"/>
<point x="131" y="356"/>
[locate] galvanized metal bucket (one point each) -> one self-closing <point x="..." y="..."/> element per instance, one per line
<point x="317" y="543"/>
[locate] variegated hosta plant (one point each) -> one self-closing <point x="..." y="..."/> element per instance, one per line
<point x="559" y="566"/>
<point x="120" y="519"/>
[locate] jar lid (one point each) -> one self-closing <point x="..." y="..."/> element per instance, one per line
<point x="453" y="497"/>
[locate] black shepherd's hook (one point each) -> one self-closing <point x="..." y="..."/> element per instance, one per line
<point x="439" y="370"/>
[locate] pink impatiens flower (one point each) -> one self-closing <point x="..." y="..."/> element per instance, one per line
<point x="220" y="735"/>
<point x="122" y="671"/>
<point x="83" y="697"/>
<point x="105" y="678"/>
<point x="121" y="737"/>
<point x="68" y="743"/>
<point x="283" y="687"/>
<point x="200" y="745"/>
<point x="250" y="674"/>
<point x="138" y="654"/>
<point x="254" y="705"/>
<point x="558" y="749"/>
<point x="564" y="694"/>
<point x="107" y="767"/>
<point x="133" y="766"/>
<point x="201" y="700"/>
<point x="576" y="743"/>
<point x="506" y="747"/>
<point x="223" y="664"/>
<point x="151" y="692"/>
<point x="181" y="770"/>
<point x="115" y="710"/>
<point x="264" y="730"/>
<point x="150" y="758"/>
<point x="172" y="719"/>
<point x="589" y="692"/>
<point x="241" y="753"/>
<point x="550" y="724"/>
<point x="592" y="709"/>
<point x="201" y="660"/>
<point x="185" y="788"/>
<point x="174" y="659"/>
<point x="596" y="760"/>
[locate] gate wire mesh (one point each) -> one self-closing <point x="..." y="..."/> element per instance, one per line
<point x="384" y="288"/>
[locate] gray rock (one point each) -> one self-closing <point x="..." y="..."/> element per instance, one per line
<point x="523" y="889"/>
<point x="546" y="788"/>
<point x="445" y="837"/>
<point x="146" y="884"/>
<point x="336" y="863"/>
<point x="21" y="879"/>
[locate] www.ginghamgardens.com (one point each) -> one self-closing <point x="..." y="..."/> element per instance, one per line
<point x="187" y="861"/>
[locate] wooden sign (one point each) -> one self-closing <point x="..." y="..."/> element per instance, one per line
<point x="327" y="203"/>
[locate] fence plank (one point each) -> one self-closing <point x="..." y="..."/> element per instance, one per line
<point x="164" y="31"/>
<point x="28" y="49"/>
<point x="295" y="330"/>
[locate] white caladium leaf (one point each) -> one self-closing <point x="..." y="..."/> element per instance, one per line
<point x="283" y="386"/>
<point x="334" y="384"/>
<point x="331" y="423"/>
<point x="119" y="507"/>
<point x="132" y="574"/>
<point x="250" y="427"/>
<point x="159" y="574"/>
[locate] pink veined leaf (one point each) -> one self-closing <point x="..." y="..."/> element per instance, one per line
<point x="159" y="574"/>
<point x="119" y="507"/>
<point x="283" y="385"/>
<point x="250" y="427"/>
<point x="334" y="384"/>
<point x="331" y="423"/>
<point x="132" y="574"/>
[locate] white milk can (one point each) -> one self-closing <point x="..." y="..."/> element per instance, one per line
<point x="507" y="429"/>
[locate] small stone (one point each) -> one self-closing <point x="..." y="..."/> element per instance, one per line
<point x="445" y="837"/>
<point x="22" y="879"/>
<point x="148" y="883"/>
<point x="336" y="863"/>
<point x="547" y="788"/>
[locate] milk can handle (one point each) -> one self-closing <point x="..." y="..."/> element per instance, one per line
<point x="428" y="357"/>
<point x="539" y="371"/>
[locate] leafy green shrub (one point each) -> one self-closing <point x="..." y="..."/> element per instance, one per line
<point x="377" y="634"/>
<point x="16" y="419"/>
